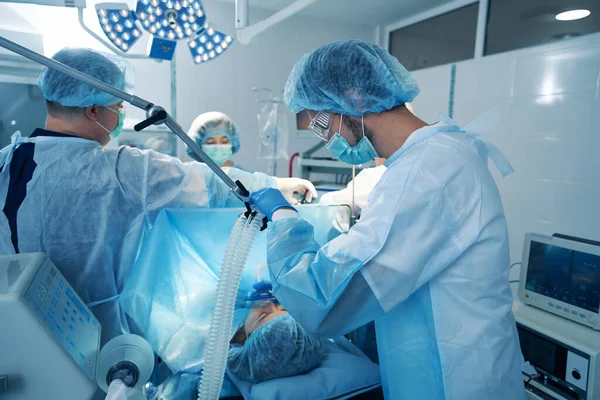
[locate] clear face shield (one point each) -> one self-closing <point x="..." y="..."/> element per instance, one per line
<point x="263" y="306"/>
<point x="261" y="296"/>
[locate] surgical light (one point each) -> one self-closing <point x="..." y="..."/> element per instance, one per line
<point x="118" y="24"/>
<point x="573" y="15"/>
<point x="208" y="44"/>
<point x="167" y="21"/>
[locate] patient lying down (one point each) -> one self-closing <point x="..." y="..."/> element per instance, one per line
<point x="271" y="344"/>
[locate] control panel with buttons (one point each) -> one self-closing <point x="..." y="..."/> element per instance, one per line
<point x="571" y="312"/>
<point x="65" y="315"/>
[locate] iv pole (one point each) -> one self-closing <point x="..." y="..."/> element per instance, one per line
<point x="156" y="115"/>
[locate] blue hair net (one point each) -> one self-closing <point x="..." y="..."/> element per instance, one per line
<point x="210" y="124"/>
<point x="70" y="92"/>
<point x="350" y="78"/>
<point x="279" y="348"/>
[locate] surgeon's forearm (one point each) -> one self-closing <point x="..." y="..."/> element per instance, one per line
<point x="312" y="287"/>
<point x="355" y="307"/>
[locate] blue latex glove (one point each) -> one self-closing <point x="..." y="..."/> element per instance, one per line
<point x="268" y="201"/>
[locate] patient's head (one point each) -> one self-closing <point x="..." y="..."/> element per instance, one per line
<point x="276" y="347"/>
<point x="261" y="313"/>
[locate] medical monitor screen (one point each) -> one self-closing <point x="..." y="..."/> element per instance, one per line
<point x="566" y="275"/>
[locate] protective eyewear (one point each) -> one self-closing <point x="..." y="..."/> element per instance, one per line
<point x="319" y="125"/>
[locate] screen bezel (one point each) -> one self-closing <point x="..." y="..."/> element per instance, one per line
<point x="540" y="300"/>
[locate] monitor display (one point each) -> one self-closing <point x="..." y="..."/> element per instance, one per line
<point x="566" y="275"/>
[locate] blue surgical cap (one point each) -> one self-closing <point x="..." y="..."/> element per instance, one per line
<point x="351" y="78"/>
<point x="210" y="124"/>
<point x="70" y="92"/>
<point x="279" y="348"/>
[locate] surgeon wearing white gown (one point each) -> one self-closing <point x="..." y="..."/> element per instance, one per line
<point x="86" y="206"/>
<point x="357" y="192"/>
<point x="428" y="260"/>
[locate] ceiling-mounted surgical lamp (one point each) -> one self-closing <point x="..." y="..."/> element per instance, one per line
<point x="167" y="21"/>
<point x="246" y="33"/>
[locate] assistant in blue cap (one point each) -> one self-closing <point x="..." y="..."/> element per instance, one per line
<point x="218" y="136"/>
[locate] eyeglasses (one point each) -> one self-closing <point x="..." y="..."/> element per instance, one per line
<point x="320" y="125"/>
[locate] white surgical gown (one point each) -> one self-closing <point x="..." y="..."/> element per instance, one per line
<point x="428" y="261"/>
<point x="87" y="206"/>
<point x="360" y="189"/>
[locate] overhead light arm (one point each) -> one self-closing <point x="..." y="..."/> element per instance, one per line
<point x="246" y="33"/>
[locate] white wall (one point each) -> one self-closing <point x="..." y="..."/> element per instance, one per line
<point x="550" y="100"/>
<point x="225" y="83"/>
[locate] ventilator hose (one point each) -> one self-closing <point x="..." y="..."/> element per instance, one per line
<point x="236" y="254"/>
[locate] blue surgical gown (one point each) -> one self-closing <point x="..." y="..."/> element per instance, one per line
<point x="87" y="207"/>
<point x="428" y="261"/>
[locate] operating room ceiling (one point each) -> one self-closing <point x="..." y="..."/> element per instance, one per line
<point x="362" y="12"/>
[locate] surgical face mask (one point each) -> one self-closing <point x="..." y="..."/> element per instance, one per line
<point x="362" y="153"/>
<point x="219" y="153"/>
<point x="117" y="131"/>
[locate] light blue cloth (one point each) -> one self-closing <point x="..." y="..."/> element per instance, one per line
<point x="170" y="294"/>
<point x="343" y="373"/>
<point x="279" y="348"/>
<point x="87" y="208"/>
<point x="349" y="77"/>
<point x="213" y="123"/>
<point x="428" y="261"/>
<point x="70" y="92"/>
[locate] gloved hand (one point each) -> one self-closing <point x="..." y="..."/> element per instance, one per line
<point x="290" y="185"/>
<point x="268" y="201"/>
